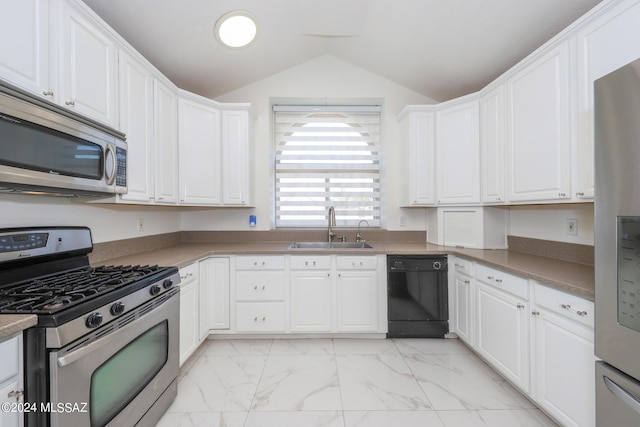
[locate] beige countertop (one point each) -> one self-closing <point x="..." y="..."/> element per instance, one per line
<point x="574" y="278"/>
<point x="13" y="323"/>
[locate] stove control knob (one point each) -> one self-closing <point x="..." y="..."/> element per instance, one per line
<point x="167" y="283"/>
<point x="117" y="309"/>
<point x="94" y="320"/>
<point x="154" y="290"/>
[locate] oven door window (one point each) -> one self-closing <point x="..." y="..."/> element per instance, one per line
<point x="119" y="380"/>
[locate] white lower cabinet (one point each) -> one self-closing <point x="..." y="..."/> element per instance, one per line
<point x="214" y="295"/>
<point x="357" y="293"/>
<point x="11" y="383"/>
<point x="503" y="332"/>
<point x="260" y="285"/>
<point x="311" y="293"/>
<point x="539" y="338"/>
<point x="463" y="300"/>
<point x="564" y="361"/>
<point x="189" y="309"/>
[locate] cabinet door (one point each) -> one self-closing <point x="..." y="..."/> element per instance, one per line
<point x="214" y="295"/>
<point x="602" y="48"/>
<point x="136" y="121"/>
<point x="539" y="137"/>
<point x="199" y="142"/>
<point x="189" y="337"/>
<point x="357" y="301"/>
<point x="420" y="131"/>
<point x="24" y="53"/>
<point x="565" y="369"/>
<point x="503" y="333"/>
<point x="235" y="158"/>
<point x="492" y="145"/>
<point x="464" y="308"/>
<point x="165" y="138"/>
<point x="87" y="65"/>
<point x="458" y="154"/>
<point x="311" y="296"/>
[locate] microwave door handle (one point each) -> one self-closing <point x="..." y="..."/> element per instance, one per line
<point x="622" y="394"/>
<point x="111" y="153"/>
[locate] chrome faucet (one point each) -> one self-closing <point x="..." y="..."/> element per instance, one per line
<point x="332" y="223"/>
<point x="358" y="235"/>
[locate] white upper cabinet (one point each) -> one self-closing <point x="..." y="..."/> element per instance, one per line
<point x="87" y="65"/>
<point x="492" y="145"/>
<point x="235" y="157"/>
<point x="539" y="129"/>
<point x="458" y="153"/>
<point x="136" y="121"/>
<point x="24" y="52"/>
<point x="199" y="142"/>
<point x="417" y="124"/>
<point x="165" y="113"/>
<point x="602" y="47"/>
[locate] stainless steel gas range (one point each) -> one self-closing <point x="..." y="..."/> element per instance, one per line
<point x="105" y="349"/>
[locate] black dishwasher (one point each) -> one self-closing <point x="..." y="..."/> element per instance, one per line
<point x="418" y="304"/>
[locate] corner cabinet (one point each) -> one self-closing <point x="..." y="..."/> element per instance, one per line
<point x="199" y="152"/>
<point x="417" y="125"/>
<point x="539" y="129"/>
<point x="458" y="152"/>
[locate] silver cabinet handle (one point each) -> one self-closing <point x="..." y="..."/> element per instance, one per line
<point x="70" y="103"/>
<point x="490" y="277"/>
<point x="467" y="281"/>
<point x="47" y="92"/>
<point x="581" y="313"/>
<point x="15" y="394"/>
<point x="579" y="194"/>
<point x="498" y="280"/>
<point x="629" y="399"/>
<point x="565" y="306"/>
<point x="562" y="194"/>
<point x="535" y="313"/>
<point x="519" y="305"/>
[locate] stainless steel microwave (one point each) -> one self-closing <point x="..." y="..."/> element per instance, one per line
<point x="46" y="150"/>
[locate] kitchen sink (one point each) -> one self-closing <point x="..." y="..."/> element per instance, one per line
<point x="330" y="245"/>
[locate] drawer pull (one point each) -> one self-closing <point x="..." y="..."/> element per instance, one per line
<point x="565" y="306"/>
<point x="498" y="280"/>
<point x="519" y="305"/>
<point x="490" y="277"/>
<point x="467" y="281"/>
<point x="535" y="313"/>
<point x="581" y="313"/>
<point x="15" y="394"/>
<point x="259" y="288"/>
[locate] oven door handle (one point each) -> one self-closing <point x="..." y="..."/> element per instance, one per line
<point x="68" y="359"/>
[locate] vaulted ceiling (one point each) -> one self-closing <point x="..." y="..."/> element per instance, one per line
<point x="441" y="49"/>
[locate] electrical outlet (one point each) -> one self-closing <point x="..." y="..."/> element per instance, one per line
<point x="571" y="226"/>
<point x="403" y="221"/>
<point x="140" y="224"/>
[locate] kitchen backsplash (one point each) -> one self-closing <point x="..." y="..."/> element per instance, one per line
<point x="582" y="254"/>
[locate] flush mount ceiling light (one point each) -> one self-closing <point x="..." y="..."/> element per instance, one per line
<point x="236" y="29"/>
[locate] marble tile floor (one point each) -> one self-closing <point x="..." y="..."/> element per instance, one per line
<point x="344" y="383"/>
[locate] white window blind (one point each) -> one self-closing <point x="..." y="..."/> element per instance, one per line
<point x="327" y="156"/>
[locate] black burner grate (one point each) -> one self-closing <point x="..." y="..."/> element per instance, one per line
<point x="49" y="294"/>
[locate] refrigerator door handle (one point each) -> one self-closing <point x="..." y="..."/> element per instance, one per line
<point x="628" y="398"/>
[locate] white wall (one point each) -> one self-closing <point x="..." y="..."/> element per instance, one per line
<point x="324" y="79"/>
<point x="547" y="222"/>
<point x="107" y="221"/>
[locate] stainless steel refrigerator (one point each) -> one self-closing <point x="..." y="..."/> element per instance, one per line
<point x="617" y="246"/>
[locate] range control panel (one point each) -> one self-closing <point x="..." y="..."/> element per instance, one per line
<point x="21" y="242"/>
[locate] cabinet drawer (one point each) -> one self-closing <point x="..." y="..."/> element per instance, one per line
<point x="260" y="286"/>
<point x="260" y="317"/>
<point x="188" y="274"/>
<point x="9" y="355"/>
<point x="357" y="262"/>
<point x="260" y="263"/>
<point x="310" y="262"/>
<point x="507" y="282"/>
<point x="463" y="266"/>
<point x="571" y="306"/>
